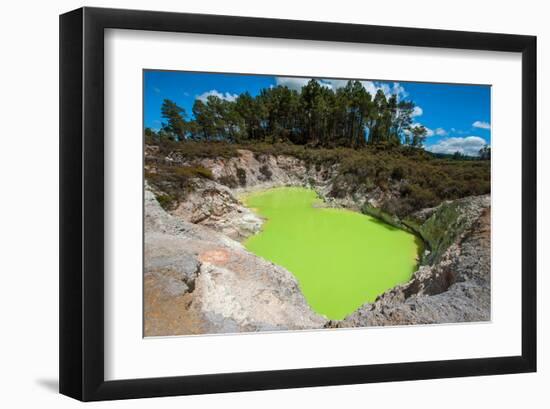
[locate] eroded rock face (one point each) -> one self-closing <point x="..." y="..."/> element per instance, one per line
<point x="449" y="222"/>
<point x="457" y="288"/>
<point x="213" y="205"/>
<point x="199" y="281"/>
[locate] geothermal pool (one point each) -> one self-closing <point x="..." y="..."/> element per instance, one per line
<point x="342" y="259"/>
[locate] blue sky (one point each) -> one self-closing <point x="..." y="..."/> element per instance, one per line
<point x="458" y="117"/>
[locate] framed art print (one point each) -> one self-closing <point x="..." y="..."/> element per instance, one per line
<point x="254" y="204"/>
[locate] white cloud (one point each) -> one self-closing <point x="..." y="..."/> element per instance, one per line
<point x="429" y="132"/>
<point x="384" y="87"/>
<point x="417" y="111"/>
<point x="458" y="131"/>
<point x="469" y="145"/>
<point x="482" y="125"/>
<point x="399" y="90"/>
<point x="440" y="131"/>
<point x="372" y="87"/>
<point x="292" y="83"/>
<point x="334" y="84"/>
<point x="227" y="96"/>
<point x="157" y="90"/>
<point x="297" y="83"/>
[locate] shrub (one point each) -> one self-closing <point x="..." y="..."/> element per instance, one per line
<point x="193" y="171"/>
<point x="241" y="175"/>
<point x="194" y="150"/>
<point x="420" y="198"/>
<point x="175" y="182"/>
<point x="264" y="170"/>
<point x="397" y="173"/>
<point x="228" y="181"/>
<point x="423" y="179"/>
<point x="166" y="201"/>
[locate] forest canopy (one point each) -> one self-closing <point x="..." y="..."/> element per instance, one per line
<point x="316" y="115"/>
<point x="372" y="139"/>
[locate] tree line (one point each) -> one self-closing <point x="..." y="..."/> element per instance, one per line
<point x="316" y="115"/>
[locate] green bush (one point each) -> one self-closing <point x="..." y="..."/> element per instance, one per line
<point x="175" y="182"/>
<point x="193" y="171"/>
<point x="422" y="179"/>
<point x="397" y="173"/>
<point x="264" y="170"/>
<point x="241" y="175"/>
<point x="194" y="150"/>
<point x="165" y="201"/>
<point x="228" y="181"/>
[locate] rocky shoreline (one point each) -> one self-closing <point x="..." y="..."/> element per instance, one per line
<point x="454" y="287"/>
<point x="199" y="279"/>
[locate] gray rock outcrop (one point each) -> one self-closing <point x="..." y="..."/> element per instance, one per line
<point x="200" y="279"/>
<point x="456" y="288"/>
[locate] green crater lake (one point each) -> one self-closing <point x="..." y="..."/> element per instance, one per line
<point x="342" y="259"/>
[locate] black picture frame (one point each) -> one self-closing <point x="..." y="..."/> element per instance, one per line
<point x="82" y="198"/>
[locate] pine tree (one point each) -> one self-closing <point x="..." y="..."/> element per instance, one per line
<point x="175" y="115"/>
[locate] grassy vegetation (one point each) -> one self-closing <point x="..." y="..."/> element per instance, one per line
<point x="241" y="175"/>
<point x="421" y="179"/>
<point x="415" y="178"/>
<point x="175" y="182"/>
<point x="266" y="172"/>
<point x="194" y="150"/>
